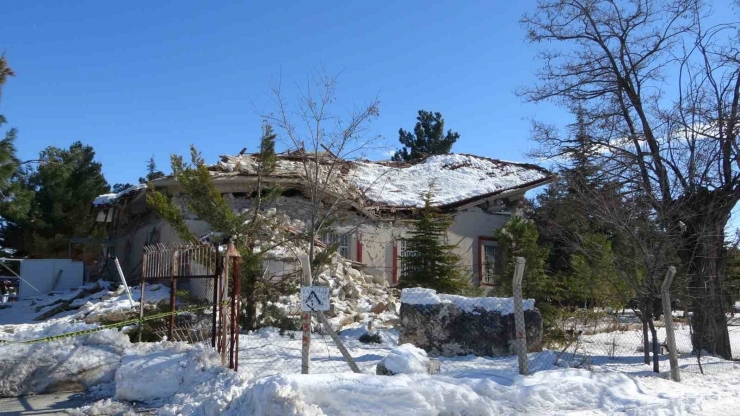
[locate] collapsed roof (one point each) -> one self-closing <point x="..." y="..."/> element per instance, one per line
<point x="455" y="179"/>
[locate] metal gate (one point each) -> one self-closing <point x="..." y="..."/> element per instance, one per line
<point x="194" y="275"/>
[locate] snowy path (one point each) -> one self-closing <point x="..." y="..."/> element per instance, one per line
<point x="42" y="404"/>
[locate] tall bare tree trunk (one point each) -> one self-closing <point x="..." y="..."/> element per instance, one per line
<point x="702" y="251"/>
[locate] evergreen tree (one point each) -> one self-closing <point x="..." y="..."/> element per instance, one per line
<point x="246" y="229"/>
<point x="519" y="238"/>
<point x="581" y="258"/>
<point x="151" y="172"/>
<point x="14" y="200"/>
<point x="120" y="187"/>
<point x="429" y="260"/>
<point x="427" y="139"/>
<point x="64" y="185"/>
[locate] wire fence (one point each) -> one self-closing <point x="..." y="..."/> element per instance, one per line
<point x="616" y="340"/>
<point x="478" y="334"/>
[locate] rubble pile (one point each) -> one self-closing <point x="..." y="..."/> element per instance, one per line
<point x="355" y="297"/>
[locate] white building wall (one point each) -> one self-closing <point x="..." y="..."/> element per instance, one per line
<point x="378" y="242"/>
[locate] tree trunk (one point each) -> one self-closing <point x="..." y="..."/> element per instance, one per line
<point x="702" y="252"/>
<point x="656" y="346"/>
<point x="645" y="339"/>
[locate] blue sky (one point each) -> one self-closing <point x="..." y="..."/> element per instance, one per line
<point x="135" y="79"/>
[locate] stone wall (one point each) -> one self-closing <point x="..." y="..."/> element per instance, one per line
<point x="445" y="329"/>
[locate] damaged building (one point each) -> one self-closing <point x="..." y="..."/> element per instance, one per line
<point x="372" y="206"/>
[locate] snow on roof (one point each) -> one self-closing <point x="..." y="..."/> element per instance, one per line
<point x="421" y="296"/>
<point x="106" y="199"/>
<point x="455" y="178"/>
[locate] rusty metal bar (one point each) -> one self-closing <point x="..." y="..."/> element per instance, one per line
<point x="173" y="289"/>
<point x="232" y="325"/>
<point x="215" y="298"/>
<point x="237" y="303"/>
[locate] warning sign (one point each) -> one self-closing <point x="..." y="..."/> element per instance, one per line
<point x="314" y="298"/>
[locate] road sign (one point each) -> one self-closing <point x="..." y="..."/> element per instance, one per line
<point x="314" y="298"/>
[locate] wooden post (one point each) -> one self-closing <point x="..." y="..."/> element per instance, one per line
<point x="173" y="289"/>
<point x="668" y="318"/>
<point x="306" y="320"/>
<point x="338" y="342"/>
<point x="521" y="332"/>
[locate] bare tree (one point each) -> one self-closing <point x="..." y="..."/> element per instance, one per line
<point x="678" y="148"/>
<point x="324" y="142"/>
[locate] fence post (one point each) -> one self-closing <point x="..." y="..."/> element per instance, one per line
<point x="668" y="318"/>
<point x="521" y="333"/>
<point x="233" y="254"/>
<point x="306" y="319"/>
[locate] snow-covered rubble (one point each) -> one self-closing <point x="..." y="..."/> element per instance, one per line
<point x="355" y="296"/>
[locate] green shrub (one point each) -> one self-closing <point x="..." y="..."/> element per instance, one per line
<point x="368" y="338"/>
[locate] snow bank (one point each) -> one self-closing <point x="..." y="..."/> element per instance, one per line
<point x="456" y="177"/>
<point x="159" y="374"/>
<point x="482" y="393"/>
<point x="406" y="359"/>
<point x="65" y="365"/>
<point x="421" y="296"/>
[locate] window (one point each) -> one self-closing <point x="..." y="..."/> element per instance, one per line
<point x="334" y="238"/>
<point x="492" y="262"/>
<point x="403" y="251"/>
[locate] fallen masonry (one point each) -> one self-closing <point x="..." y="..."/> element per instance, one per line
<point x="449" y="325"/>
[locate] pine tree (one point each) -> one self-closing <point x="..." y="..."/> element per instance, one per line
<point x="63" y="186"/>
<point x="120" y="187"/>
<point x="430" y="261"/>
<point x="246" y="229"/>
<point x="151" y="171"/>
<point x="581" y="258"/>
<point x="428" y="138"/>
<point x="12" y="197"/>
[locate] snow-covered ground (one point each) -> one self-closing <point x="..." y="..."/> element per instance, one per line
<point x="177" y="378"/>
